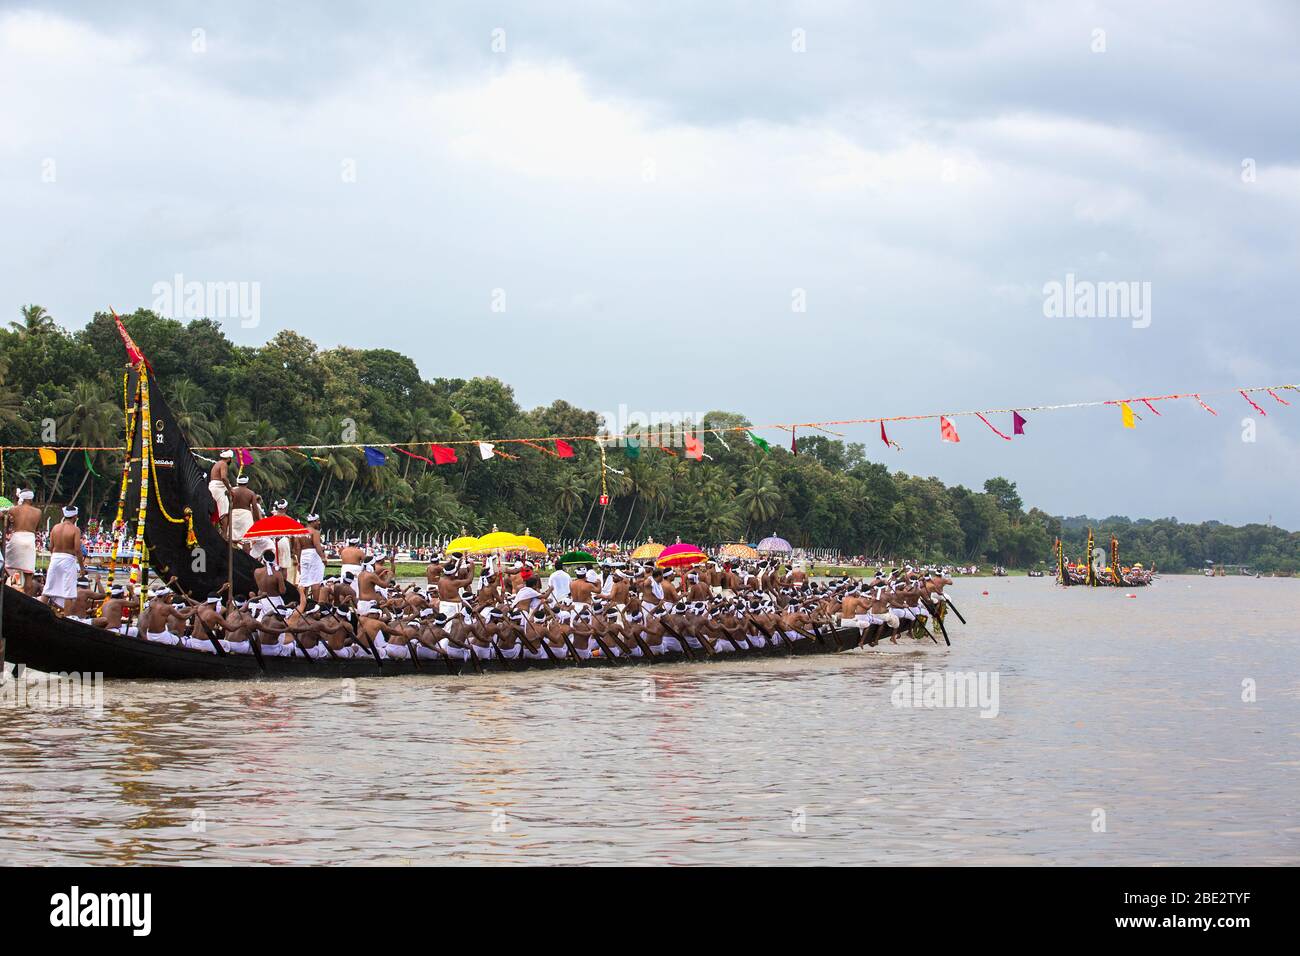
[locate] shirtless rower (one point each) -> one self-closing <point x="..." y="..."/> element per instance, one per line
<point x="67" y="562"/>
<point x="352" y="556"/>
<point x="21" y="522"/>
<point x="87" y="599"/>
<point x="582" y="589"/>
<point x="219" y="487"/>
<point x="455" y="577"/>
<point x="158" y="617"/>
<point x="373" y="584"/>
<point x="207" y="626"/>
<point x="270" y="583"/>
<point x="115" y="613"/>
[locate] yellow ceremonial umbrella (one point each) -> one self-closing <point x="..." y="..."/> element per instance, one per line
<point x="531" y="544"/>
<point x="651" y="549"/>
<point x="498" y="541"/>
<point x="742" y="551"/>
<point x="462" y="544"/>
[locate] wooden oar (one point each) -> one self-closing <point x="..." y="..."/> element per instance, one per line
<point x="938" y="619"/>
<point x="370" y="643"/>
<point x="954" y="609"/>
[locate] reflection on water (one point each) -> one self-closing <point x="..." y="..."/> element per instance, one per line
<point x="1131" y="706"/>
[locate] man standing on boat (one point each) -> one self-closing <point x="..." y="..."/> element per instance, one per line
<point x="219" y="487"/>
<point x="66" y="560"/>
<point x="243" y="510"/>
<point x="21" y="522"/>
<point x="311" y="563"/>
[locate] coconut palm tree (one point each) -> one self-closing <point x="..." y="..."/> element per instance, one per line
<point x="568" y="494"/>
<point x="36" y="321"/>
<point x="87" y="415"/>
<point x="759" y="502"/>
<point x="11" y="405"/>
<point x="192" y="411"/>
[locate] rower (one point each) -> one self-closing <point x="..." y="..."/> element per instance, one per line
<point x="372" y="583"/>
<point x="351" y="556"/>
<point x="115" y="613"/>
<point x="156" y="621"/>
<point x="270" y="584"/>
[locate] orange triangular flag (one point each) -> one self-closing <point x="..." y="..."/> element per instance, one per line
<point x="48" y="457"/>
<point x="946" y="431"/>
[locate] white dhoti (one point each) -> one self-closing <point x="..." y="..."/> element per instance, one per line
<point x="20" y="552"/>
<point x="666" y="645"/>
<point x="268" y="606"/>
<point x="258" y="547"/>
<point x="241" y="519"/>
<point x="311" y="569"/>
<point x="364" y="605"/>
<point x="425" y="653"/>
<point x="397" y="652"/>
<point x="284" y="558"/>
<point x="163" y="637"/>
<point x="221" y="495"/>
<point x="452" y="651"/>
<point x="237" y="647"/>
<point x="61" y="578"/>
<point x="354" y="570"/>
<point x="198" y="644"/>
<point x="449" y="608"/>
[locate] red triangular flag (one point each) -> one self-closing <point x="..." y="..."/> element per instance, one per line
<point x="563" y="448"/>
<point x="694" y="448"/>
<point x="946" y="431"/>
<point x="132" y="350"/>
<point x="794" y="449"/>
<point x="443" y="454"/>
<point x="1017" y="423"/>
<point x="883" y="436"/>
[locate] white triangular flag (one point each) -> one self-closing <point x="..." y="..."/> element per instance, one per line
<point x="485" y="448"/>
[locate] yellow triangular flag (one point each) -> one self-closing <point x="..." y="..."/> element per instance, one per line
<point x="48" y="457"/>
<point x="1128" y="415"/>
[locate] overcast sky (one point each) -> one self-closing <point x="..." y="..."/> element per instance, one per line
<point x="647" y="187"/>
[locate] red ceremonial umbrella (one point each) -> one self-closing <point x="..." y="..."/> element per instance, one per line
<point x="276" y="526"/>
<point x="680" y="556"/>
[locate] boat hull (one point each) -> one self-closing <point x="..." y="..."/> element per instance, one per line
<point x="45" y="642"/>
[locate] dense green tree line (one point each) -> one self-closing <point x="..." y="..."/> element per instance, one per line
<point x="290" y="392"/>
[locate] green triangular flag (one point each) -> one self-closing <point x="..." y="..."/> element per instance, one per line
<point x="90" y="468"/>
<point x="631" y="447"/>
<point x="760" y="442"/>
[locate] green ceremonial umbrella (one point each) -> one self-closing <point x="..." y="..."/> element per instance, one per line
<point x="576" y="557"/>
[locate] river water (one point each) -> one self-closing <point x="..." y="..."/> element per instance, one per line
<point x="1120" y="736"/>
